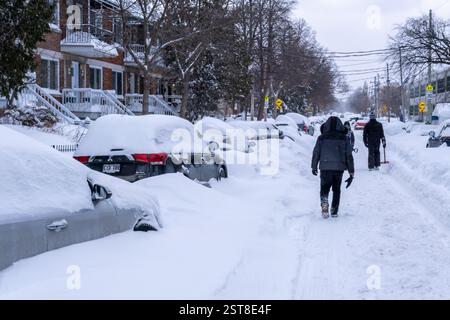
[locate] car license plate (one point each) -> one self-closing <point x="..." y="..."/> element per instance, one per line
<point x="111" y="168"/>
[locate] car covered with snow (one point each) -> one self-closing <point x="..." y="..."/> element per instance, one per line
<point x="48" y="201"/>
<point x="441" y="136"/>
<point x="302" y="122"/>
<point x="289" y="127"/>
<point x="223" y="135"/>
<point x="137" y="147"/>
<point x="258" y="130"/>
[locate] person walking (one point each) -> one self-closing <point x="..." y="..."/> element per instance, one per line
<point x="350" y="134"/>
<point x="373" y="137"/>
<point x="333" y="155"/>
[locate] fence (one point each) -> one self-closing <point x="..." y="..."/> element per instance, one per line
<point x="65" y="147"/>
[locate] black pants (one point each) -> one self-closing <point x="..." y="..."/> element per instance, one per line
<point x="374" y="156"/>
<point x="328" y="180"/>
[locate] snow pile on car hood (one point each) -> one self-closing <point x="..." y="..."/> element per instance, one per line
<point x="139" y="134"/>
<point x="37" y="179"/>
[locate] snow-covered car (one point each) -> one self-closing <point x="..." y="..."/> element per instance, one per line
<point x="225" y="136"/>
<point x="289" y="127"/>
<point x="442" y="136"/>
<point x="258" y="130"/>
<point x="137" y="147"/>
<point x="48" y="201"/>
<point x="361" y="124"/>
<point x="302" y="123"/>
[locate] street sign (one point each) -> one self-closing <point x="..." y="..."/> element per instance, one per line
<point x="266" y="99"/>
<point x="279" y="104"/>
<point x="422" y="106"/>
<point x="430" y="88"/>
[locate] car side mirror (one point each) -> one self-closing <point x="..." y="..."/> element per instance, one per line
<point x="100" y="193"/>
<point x="432" y="134"/>
<point x="213" y="146"/>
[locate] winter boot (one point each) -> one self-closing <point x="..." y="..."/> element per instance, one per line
<point x="325" y="208"/>
<point x="377" y="168"/>
<point x="334" y="213"/>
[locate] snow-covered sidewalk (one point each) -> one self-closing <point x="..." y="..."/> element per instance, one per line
<point x="261" y="237"/>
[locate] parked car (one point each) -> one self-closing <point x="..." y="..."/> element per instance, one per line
<point x="302" y="122"/>
<point x="258" y="130"/>
<point x="442" y="136"/>
<point x="289" y="127"/>
<point x="224" y="135"/>
<point x="361" y="124"/>
<point x="137" y="147"/>
<point x="50" y="201"/>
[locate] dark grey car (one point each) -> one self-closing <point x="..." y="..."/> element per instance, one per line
<point x="23" y="238"/>
<point x="442" y="136"/>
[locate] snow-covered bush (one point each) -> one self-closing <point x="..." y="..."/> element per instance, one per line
<point x="31" y="116"/>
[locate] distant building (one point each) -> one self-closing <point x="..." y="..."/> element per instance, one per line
<point x="417" y="91"/>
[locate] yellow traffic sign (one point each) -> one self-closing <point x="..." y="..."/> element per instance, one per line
<point x="279" y="103"/>
<point x="266" y="99"/>
<point x="422" y="106"/>
<point x="430" y="88"/>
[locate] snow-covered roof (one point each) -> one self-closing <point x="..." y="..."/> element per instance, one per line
<point x="139" y="134"/>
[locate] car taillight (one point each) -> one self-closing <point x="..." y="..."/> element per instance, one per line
<point x="156" y="159"/>
<point x="83" y="159"/>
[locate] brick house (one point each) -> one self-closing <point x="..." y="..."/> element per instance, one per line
<point x="87" y="70"/>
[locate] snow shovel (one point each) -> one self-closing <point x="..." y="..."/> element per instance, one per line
<point x="385" y="161"/>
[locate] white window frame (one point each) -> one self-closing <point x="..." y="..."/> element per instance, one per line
<point x="101" y="76"/>
<point x="121" y="72"/>
<point x="48" y="70"/>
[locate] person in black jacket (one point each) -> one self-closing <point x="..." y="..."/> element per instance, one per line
<point x="333" y="152"/>
<point x="373" y="137"/>
<point x="350" y="134"/>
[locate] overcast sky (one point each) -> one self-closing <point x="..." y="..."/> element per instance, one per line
<point x="355" y="25"/>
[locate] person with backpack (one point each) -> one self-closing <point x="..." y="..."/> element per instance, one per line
<point x="373" y="137"/>
<point x="333" y="155"/>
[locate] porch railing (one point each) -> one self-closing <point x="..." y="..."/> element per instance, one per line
<point x="93" y="101"/>
<point x="157" y="105"/>
<point x="87" y="33"/>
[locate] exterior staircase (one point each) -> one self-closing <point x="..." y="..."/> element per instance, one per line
<point x="43" y="98"/>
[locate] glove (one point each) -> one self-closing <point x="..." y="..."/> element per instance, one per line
<point x="384" y="144"/>
<point x="349" y="181"/>
<point x="315" y="172"/>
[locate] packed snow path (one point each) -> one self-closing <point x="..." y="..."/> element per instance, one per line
<point x="260" y="237"/>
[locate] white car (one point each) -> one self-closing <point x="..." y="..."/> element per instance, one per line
<point x="257" y="130"/>
<point x="49" y="200"/>
<point x="224" y="135"/>
<point x="289" y="127"/>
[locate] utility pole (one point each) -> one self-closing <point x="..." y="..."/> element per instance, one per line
<point x="402" y="85"/>
<point x="388" y="93"/>
<point x="430" y="39"/>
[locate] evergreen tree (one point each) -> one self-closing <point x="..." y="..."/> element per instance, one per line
<point x="23" y="24"/>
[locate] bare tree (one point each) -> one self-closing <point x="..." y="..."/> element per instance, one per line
<point x="415" y="40"/>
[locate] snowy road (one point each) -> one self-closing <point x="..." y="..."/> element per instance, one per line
<point x="261" y="237"/>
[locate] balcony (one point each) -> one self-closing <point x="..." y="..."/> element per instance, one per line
<point x="139" y="52"/>
<point x="89" y="41"/>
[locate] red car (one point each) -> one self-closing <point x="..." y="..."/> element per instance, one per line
<point x="360" y="125"/>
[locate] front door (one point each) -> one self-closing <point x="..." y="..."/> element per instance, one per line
<point x="75" y="74"/>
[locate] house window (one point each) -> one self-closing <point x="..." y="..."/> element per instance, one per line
<point x="95" y="78"/>
<point x="49" y="74"/>
<point x="441" y="85"/>
<point x="55" y="16"/>
<point x="117" y="78"/>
